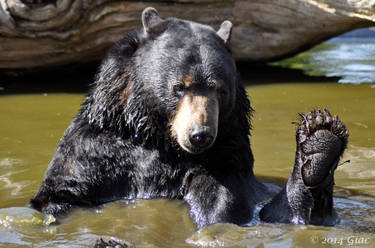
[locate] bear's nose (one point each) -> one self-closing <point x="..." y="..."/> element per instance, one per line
<point x="201" y="136"/>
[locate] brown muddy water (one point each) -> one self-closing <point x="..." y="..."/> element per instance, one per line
<point x="32" y="124"/>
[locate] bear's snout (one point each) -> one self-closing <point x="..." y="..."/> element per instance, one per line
<point x="201" y="137"/>
<point x="195" y="123"/>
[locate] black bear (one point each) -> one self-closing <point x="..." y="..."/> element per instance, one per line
<point x="168" y="117"/>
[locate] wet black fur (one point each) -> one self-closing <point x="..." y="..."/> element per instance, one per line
<point x="120" y="146"/>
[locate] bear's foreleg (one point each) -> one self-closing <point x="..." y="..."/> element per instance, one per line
<point x="213" y="202"/>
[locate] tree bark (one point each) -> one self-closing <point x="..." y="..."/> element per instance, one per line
<point x="44" y="33"/>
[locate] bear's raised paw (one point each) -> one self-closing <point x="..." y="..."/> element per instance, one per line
<point x="307" y="196"/>
<point x="321" y="140"/>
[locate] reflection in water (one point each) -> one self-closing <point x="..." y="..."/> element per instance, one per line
<point x="5" y="182"/>
<point x="353" y="62"/>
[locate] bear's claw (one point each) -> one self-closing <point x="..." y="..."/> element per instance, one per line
<point x="317" y="120"/>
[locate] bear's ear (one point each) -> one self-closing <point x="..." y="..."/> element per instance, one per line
<point x="225" y="31"/>
<point x="151" y="21"/>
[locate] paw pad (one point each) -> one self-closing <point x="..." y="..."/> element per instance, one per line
<point x="321" y="141"/>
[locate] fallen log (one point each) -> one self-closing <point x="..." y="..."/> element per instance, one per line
<point x="45" y="33"/>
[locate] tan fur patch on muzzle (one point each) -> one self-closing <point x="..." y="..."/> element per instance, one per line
<point x="194" y="110"/>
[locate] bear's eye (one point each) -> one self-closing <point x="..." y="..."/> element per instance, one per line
<point x="223" y="93"/>
<point x="179" y="88"/>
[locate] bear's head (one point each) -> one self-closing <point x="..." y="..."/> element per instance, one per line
<point x="173" y="81"/>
